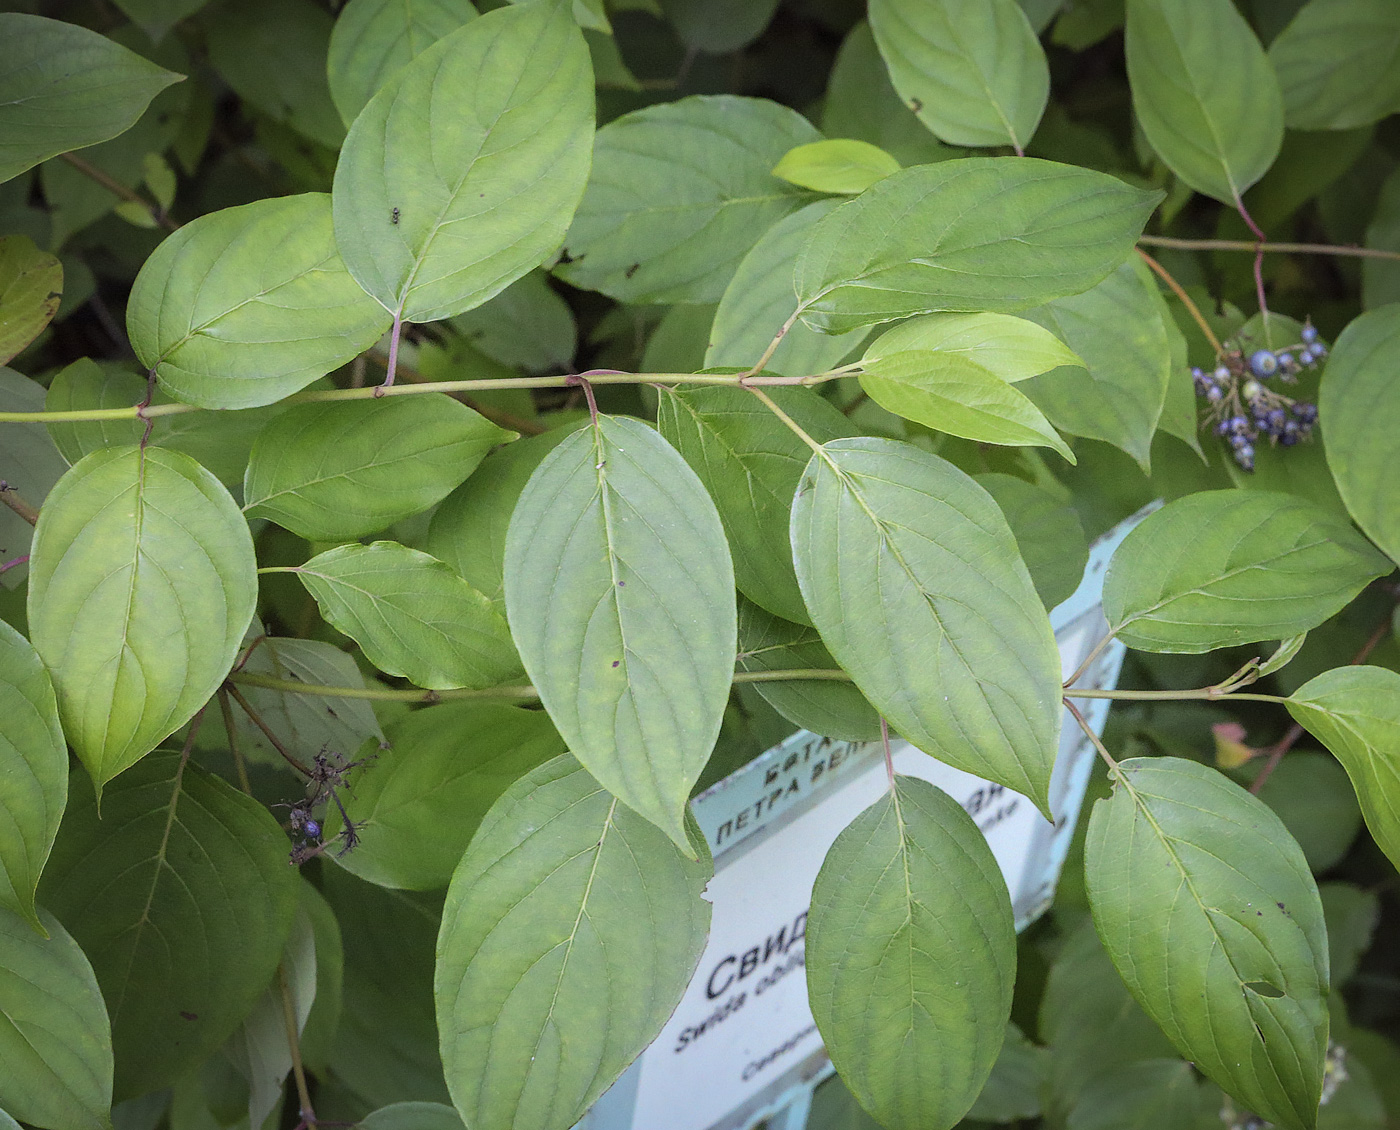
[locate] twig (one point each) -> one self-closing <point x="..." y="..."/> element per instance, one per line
<point x="392" y="365"/>
<point x="1180" y="291"/>
<point x="17" y="504"/>
<point x="1258" y="262"/>
<point x="114" y="186"/>
<point x="885" y="740"/>
<point x="229" y="728"/>
<point x="1296" y="731"/>
<point x="14" y="563"/>
<point x="307" y="1112"/>
<point x="773" y="345"/>
<point x="1094" y="653"/>
<point x="1267" y="247"/>
<point x="495" y="415"/>
<point x="261" y="725"/>
<point x="518" y="692"/>
<point x="1093" y="737"/>
<point x="1207" y="694"/>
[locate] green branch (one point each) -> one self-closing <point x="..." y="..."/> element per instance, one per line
<point x="1266" y="247"/>
<point x="523" y="692"/>
<point x="374" y="392"/>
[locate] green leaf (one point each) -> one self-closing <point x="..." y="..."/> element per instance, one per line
<point x="620" y="595"/>
<point x="750" y="462"/>
<point x="527" y="326"/>
<point x="387" y="1041"/>
<point x="1338" y="62"/>
<point x="1355" y="713"/>
<point x="760" y="298"/>
<point x="412" y="615"/>
<point x="914" y="580"/>
<point x="1204" y="93"/>
<point x="245" y="305"/>
<point x="220" y="441"/>
<point x="1226" y="567"/>
<point x="55" y="1041"/>
<point x="350" y="468"/>
<point x="861" y="103"/>
<point x="182" y="896"/>
<point x="31" y="287"/>
<point x="1283" y="655"/>
<point x="66" y="88"/>
<point x="156" y="17"/>
<point x="1310" y="793"/>
<point x="911" y="957"/>
<point x="33" y="772"/>
<point x="1012" y="1091"/>
<point x="832" y="709"/>
<point x="1093" y="1026"/>
<point x="273" y="54"/>
<point x="1211" y="916"/>
<point x="679" y="194"/>
<point x="468" y="530"/>
<point x="1155" y="1094"/>
<point x="954" y="394"/>
<point x="1357" y="397"/>
<point x="1118" y="392"/>
<point x="1380" y="278"/>
<point x="1048" y="533"/>
<point x="999" y="234"/>
<point x="412" y="1116"/>
<point x="375" y="39"/>
<point x="258" y="1048"/>
<point x="571" y="930"/>
<point x="437" y="215"/>
<point x="1012" y="348"/>
<point x="418" y="805"/>
<point x="975" y="74"/>
<point x="305" y="724"/>
<point x="718" y="27"/>
<point x="1352" y="915"/>
<point x="142" y="582"/>
<point x="32" y="466"/>
<point x="840" y="165"/>
<point x="323" y="1022"/>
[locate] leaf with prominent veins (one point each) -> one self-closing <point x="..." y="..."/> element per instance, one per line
<point x="571" y="929"/>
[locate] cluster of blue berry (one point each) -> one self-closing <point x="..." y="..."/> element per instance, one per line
<point x="1242" y="407"/>
<point x="327" y="779"/>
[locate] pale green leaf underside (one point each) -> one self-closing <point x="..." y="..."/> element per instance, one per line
<point x="1232" y="567"/>
<point x="1338" y="63"/>
<point x="1205" y="94"/>
<point x="182" y="897"/>
<point x="571" y="929"/>
<point x="1212" y="918"/>
<point x="840" y="165"/>
<point x="1360" y="399"/>
<point x="917" y="587"/>
<point x="1355" y="713"/>
<point x="749" y="462"/>
<point x="464" y="171"/>
<point x="64" y="87"/>
<point x="981" y="234"/>
<point x="954" y="394"/>
<point x="1015" y="349"/>
<point x="343" y="470"/>
<point x="911" y="957"/>
<point x="55" y="1041"/>
<point x="246" y="305"/>
<point x="412" y="615"/>
<point x="33" y="772"/>
<point x="374" y="39"/>
<point x="760" y="298"/>
<point x="975" y="74"/>
<point x="679" y="194"/>
<point x="142" y="582"/>
<point x="620" y="596"/>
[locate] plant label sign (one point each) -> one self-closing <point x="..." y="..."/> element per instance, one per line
<point x="743" y="1037"/>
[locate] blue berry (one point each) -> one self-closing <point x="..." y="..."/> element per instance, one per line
<point x="1277" y="418"/>
<point x="313" y="829"/>
<point x="1213" y="394"/>
<point x="1319" y="351"/>
<point x="1262" y="363"/>
<point x="1291" y="434"/>
<point x="1221" y="374"/>
<point x="1305" y="412"/>
<point x="1309" y="333"/>
<point x="1306" y="357"/>
<point x="1239" y="441"/>
<point x="1239" y="425"/>
<point x="1244" y="456"/>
